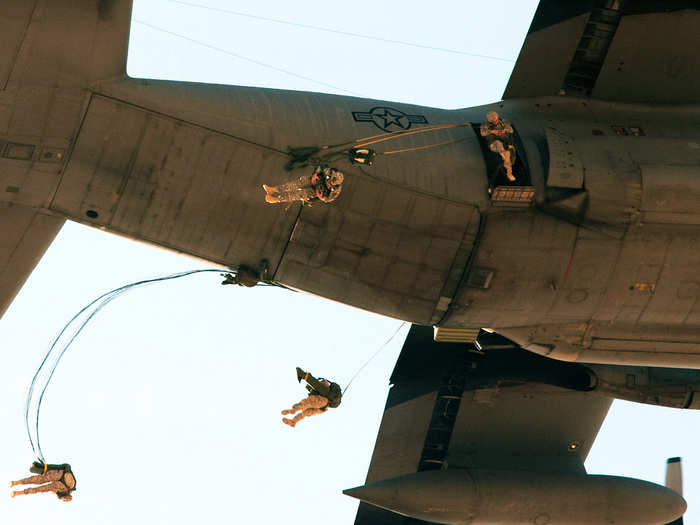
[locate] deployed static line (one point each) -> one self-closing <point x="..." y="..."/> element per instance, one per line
<point x="386" y="343"/>
<point x="324" y="393"/>
<point x="59" y="478"/>
<point x="49" y="365"/>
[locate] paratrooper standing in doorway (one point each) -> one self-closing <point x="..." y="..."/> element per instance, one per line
<point x="498" y="134"/>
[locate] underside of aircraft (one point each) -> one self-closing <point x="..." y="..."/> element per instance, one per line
<point x="543" y="298"/>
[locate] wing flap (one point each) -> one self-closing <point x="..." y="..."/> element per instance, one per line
<point x="542" y="65"/>
<point x="638" y="51"/>
<point x="398" y="447"/>
<point x="653" y="58"/>
<point x="529" y="427"/>
<point x="452" y="406"/>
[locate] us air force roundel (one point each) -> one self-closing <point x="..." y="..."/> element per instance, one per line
<point x="388" y="119"/>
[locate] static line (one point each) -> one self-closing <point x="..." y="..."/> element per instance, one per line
<point x="105" y="299"/>
<point x="386" y="343"/>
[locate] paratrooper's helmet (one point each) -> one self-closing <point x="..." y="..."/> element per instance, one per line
<point x="336" y="179"/>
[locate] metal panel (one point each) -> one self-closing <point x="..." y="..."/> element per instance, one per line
<point x="17" y="151"/>
<point x="586" y="279"/>
<point x="565" y="167"/>
<point x="653" y="58"/>
<point x="174" y="184"/>
<point x="282" y="119"/>
<point x="528" y="252"/>
<point x="400" y="439"/>
<point x="612" y="179"/>
<point x="531" y="426"/>
<point x="676" y="292"/>
<point x="382" y="248"/>
<point x="397" y="451"/>
<point x="671" y="194"/>
<point x="14" y="20"/>
<point x="62" y="42"/>
<point x="627" y="345"/>
<point x="640" y="260"/>
<point x="100" y="162"/>
<point x="456" y="335"/>
<point x="546" y="53"/>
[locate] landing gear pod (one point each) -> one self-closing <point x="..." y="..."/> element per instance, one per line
<point x="489" y="497"/>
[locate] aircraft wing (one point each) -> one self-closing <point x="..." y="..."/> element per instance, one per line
<point x="25" y="233"/>
<point x="51" y="51"/>
<point x="629" y="51"/>
<point x="450" y="407"/>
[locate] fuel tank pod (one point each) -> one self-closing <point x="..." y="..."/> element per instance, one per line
<point x="491" y="497"/>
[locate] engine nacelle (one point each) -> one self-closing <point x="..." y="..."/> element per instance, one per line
<point x="490" y="497"/>
<point x="668" y="387"/>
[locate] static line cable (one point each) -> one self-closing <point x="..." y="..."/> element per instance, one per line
<point x="247" y="59"/>
<point x="417" y="131"/>
<point x="416" y="148"/>
<point x="396" y="133"/>
<point x="104" y="303"/>
<point x="386" y="343"/>
<point x="52" y="358"/>
<point x="330" y="155"/>
<point x="345" y="33"/>
<point x="400" y="132"/>
<point x="403" y="133"/>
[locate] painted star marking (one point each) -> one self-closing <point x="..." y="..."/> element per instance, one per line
<point x="390" y="118"/>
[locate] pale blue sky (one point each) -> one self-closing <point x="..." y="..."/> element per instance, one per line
<point x="168" y="404"/>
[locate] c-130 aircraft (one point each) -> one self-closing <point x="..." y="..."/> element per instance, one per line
<point x="596" y="275"/>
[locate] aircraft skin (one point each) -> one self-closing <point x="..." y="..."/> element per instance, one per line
<point x="607" y="275"/>
<point x="601" y="268"/>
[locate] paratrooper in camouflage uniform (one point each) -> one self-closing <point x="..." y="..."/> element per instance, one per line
<point x="323" y="184"/>
<point x="323" y="394"/>
<point x="498" y="134"/>
<point x="50" y="478"/>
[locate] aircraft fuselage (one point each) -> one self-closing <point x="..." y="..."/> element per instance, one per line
<point x="600" y="268"/>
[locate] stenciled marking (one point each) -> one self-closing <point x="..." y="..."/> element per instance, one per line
<point x="388" y="119"/>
